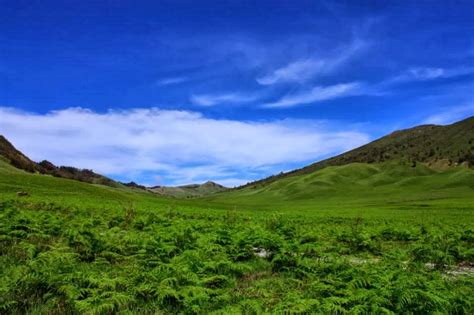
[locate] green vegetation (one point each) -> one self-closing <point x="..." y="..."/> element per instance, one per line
<point x="72" y="260"/>
<point x="440" y="147"/>
<point x="387" y="228"/>
<point x="72" y="247"/>
<point x="391" y="186"/>
<point x="67" y="192"/>
<point x="187" y="191"/>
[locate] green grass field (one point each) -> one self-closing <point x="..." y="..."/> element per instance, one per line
<point x="391" y="185"/>
<point x="357" y="239"/>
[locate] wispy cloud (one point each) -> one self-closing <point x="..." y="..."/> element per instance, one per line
<point x="302" y="70"/>
<point x="170" y="81"/>
<point x="451" y="115"/>
<point x="427" y="73"/>
<point x="215" y="99"/>
<point x="318" y="94"/>
<point x="179" y="146"/>
<point x="296" y="71"/>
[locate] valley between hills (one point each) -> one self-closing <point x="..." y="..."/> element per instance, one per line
<point x="384" y="228"/>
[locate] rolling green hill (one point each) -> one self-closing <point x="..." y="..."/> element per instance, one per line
<point x="43" y="188"/>
<point x="186" y="191"/>
<point x="421" y="166"/>
<point x="360" y="185"/>
<point x="440" y="147"/>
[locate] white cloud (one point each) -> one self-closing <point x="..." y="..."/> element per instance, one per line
<point x="302" y="70"/>
<point x="451" y="115"/>
<point x="170" y="81"/>
<point x="427" y="73"/>
<point x="214" y="99"/>
<point x="296" y="71"/>
<point x="179" y="146"/>
<point x="318" y="94"/>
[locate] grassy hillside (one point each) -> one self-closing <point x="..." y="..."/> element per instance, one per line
<point x="14" y="157"/>
<point x="360" y="186"/>
<point x="17" y="159"/>
<point x="440" y="147"/>
<point x="186" y="191"/>
<point x="68" y="192"/>
<point x="353" y="189"/>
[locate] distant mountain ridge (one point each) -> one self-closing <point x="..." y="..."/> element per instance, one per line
<point x="193" y="190"/>
<point x="437" y="146"/>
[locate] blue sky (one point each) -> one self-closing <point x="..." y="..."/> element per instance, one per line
<point x="173" y="92"/>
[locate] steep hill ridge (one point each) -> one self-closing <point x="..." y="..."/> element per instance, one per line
<point x="16" y="158"/>
<point x="437" y="146"/>
<point x="21" y="161"/>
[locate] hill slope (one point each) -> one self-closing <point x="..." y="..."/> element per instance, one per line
<point x="17" y="159"/>
<point x="437" y="146"/>
<point x="193" y="190"/>
<point x="422" y="165"/>
<point x="358" y="186"/>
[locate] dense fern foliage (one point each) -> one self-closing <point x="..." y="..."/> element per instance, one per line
<point x="68" y="260"/>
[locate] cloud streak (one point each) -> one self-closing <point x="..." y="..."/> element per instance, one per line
<point x="430" y="73"/>
<point x="216" y="99"/>
<point x="318" y="94"/>
<point x="298" y="71"/>
<point x="171" y="81"/>
<point x="303" y="70"/>
<point x="179" y="146"/>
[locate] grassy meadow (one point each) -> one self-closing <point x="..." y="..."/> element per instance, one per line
<point x="356" y="239"/>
